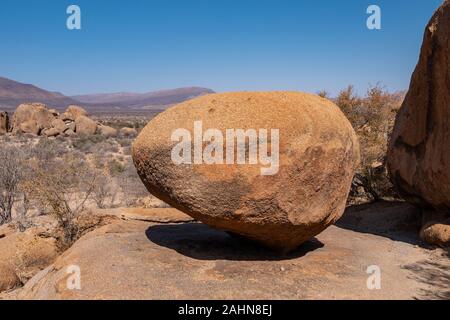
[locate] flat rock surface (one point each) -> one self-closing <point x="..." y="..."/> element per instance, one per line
<point x="166" y="215"/>
<point x="142" y="260"/>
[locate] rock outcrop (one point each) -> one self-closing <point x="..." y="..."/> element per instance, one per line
<point x="31" y="118"/>
<point x="37" y="119"/>
<point x="304" y="193"/>
<point x="85" y="126"/>
<point x="418" y="157"/>
<point x="22" y="255"/>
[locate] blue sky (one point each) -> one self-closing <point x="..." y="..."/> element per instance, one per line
<point x="225" y="45"/>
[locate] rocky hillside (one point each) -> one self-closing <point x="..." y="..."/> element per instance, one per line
<point x="13" y="93"/>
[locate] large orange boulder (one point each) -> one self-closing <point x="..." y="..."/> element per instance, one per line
<point x="274" y="167"/>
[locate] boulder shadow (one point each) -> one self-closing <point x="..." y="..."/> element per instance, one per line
<point x="395" y="220"/>
<point x="198" y="241"/>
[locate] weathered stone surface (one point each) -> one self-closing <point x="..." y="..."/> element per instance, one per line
<point x="8" y="278"/>
<point x="54" y="112"/>
<point x="28" y="127"/>
<point x="31" y="118"/>
<point x="128" y="132"/>
<point x="73" y="112"/>
<point x="22" y="255"/>
<point x="71" y="126"/>
<point x="69" y="133"/>
<point x="436" y="228"/>
<point x="166" y="215"/>
<point x="66" y="117"/>
<point x="437" y="233"/>
<point x="4" y="122"/>
<point x="52" y="132"/>
<point x="318" y="152"/>
<point x="107" y="131"/>
<point x="59" y="125"/>
<point x="142" y="260"/>
<point x="85" y="126"/>
<point x="419" y="153"/>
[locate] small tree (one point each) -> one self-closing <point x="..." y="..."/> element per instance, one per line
<point x="62" y="187"/>
<point x="349" y="102"/>
<point x="373" y="118"/>
<point x="11" y="170"/>
<point x="104" y="189"/>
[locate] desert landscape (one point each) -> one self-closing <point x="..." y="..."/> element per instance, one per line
<point x="341" y="189"/>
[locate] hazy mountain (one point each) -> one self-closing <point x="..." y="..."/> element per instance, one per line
<point x="13" y="93"/>
<point x="143" y="100"/>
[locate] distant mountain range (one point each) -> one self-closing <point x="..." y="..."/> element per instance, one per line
<point x="13" y="93"/>
<point x="150" y="100"/>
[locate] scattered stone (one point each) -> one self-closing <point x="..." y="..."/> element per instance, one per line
<point x="107" y="131"/>
<point x="436" y="228"/>
<point x="59" y="125"/>
<point x="85" y="126"/>
<point x="318" y="153"/>
<point x="128" y="132"/>
<point x="69" y="132"/>
<point x="52" y="132"/>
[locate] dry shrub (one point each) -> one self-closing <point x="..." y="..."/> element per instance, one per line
<point x="132" y="186"/>
<point x="62" y="187"/>
<point x="373" y="118"/>
<point x="105" y="191"/>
